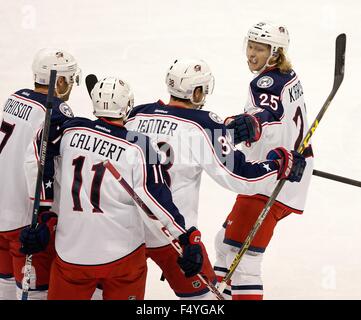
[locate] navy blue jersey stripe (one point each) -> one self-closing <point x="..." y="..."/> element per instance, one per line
<point x="247" y="287"/>
<point x="239" y="244"/>
<point x="220" y="269"/>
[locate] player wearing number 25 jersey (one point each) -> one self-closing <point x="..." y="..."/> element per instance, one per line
<point x="23" y="117"/>
<point x="275" y="116"/>
<point x="192" y="140"/>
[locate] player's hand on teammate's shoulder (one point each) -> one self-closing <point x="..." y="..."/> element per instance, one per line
<point x="291" y="164"/>
<point x="246" y="127"/>
<point x="191" y="261"/>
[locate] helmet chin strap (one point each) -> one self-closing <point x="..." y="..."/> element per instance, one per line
<point x="198" y="105"/>
<point x="63" y="95"/>
<point x="267" y="64"/>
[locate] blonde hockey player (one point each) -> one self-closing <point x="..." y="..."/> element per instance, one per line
<point x="192" y="140"/>
<point x="275" y="116"/>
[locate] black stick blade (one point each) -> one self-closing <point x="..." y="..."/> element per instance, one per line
<point x="90" y="81"/>
<point x="340" y="59"/>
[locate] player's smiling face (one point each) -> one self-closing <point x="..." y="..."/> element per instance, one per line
<point x="257" y="55"/>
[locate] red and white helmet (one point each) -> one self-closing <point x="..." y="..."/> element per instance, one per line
<point x="185" y="75"/>
<point x="112" y="97"/>
<point x="270" y="33"/>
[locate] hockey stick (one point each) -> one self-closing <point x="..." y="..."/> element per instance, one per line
<point x="39" y="179"/>
<point x="174" y="242"/>
<point x="90" y="81"/>
<point x="338" y="77"/>
<point x="334" y="177"/>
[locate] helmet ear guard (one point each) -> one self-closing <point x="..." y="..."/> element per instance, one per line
<point x="76" y="78"/>
<point x="112" y="98"/>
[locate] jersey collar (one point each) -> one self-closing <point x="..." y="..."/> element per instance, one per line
<point x="112" y="123"/>
<point x="170" y="105"/>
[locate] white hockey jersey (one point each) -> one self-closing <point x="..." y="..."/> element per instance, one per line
<point x="23" y="117"/>
<point x="277" y="100"/>
<point x="98" y="221"/>
<point x="192" y="141"/>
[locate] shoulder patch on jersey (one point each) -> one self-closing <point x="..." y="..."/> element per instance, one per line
<point x="66" y="110"/>
<point x="215" y="117"/>
<point x="265" y="82"/>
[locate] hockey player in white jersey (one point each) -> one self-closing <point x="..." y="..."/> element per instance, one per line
<point x="275" y="116"/>
<point x="100" y="237"/>
<point x="192" y="140"/>
<point x="23" y="117"/>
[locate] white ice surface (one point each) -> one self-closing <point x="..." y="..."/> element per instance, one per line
<point x="313" y="256"/>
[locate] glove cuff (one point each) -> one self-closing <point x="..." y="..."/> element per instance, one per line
<point x="284" y="158"/>
<point x="45" y="216"/>
<point x="228" y="120"/>
<point x="195" y="237"/>
<point x="254" y="127"/>
<point x="191" y="237"/>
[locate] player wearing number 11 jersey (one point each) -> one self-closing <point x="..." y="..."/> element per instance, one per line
<point x="192" y="140"/>
<point x="99" y="236"/>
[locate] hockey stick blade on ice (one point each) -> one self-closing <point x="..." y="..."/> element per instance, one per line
<point x="174" y="242"/>
<point x="90" y="82"/>
<point x="338" y="77"/>
<point x="39" y="178"/>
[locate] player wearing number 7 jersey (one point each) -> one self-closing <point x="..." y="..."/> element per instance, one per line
<point x="275" y="116"/>
<point x="192" y="140"/>
<point x="23" y="118"/>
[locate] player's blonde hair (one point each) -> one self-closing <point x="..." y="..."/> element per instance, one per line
<point x="281" y="61"/>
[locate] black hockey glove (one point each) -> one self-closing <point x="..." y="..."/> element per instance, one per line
<point x="34" y="240"/>
<point x="291" y="164"/>
<point x="246" y="128"/>
<point x="191" y="261"/>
